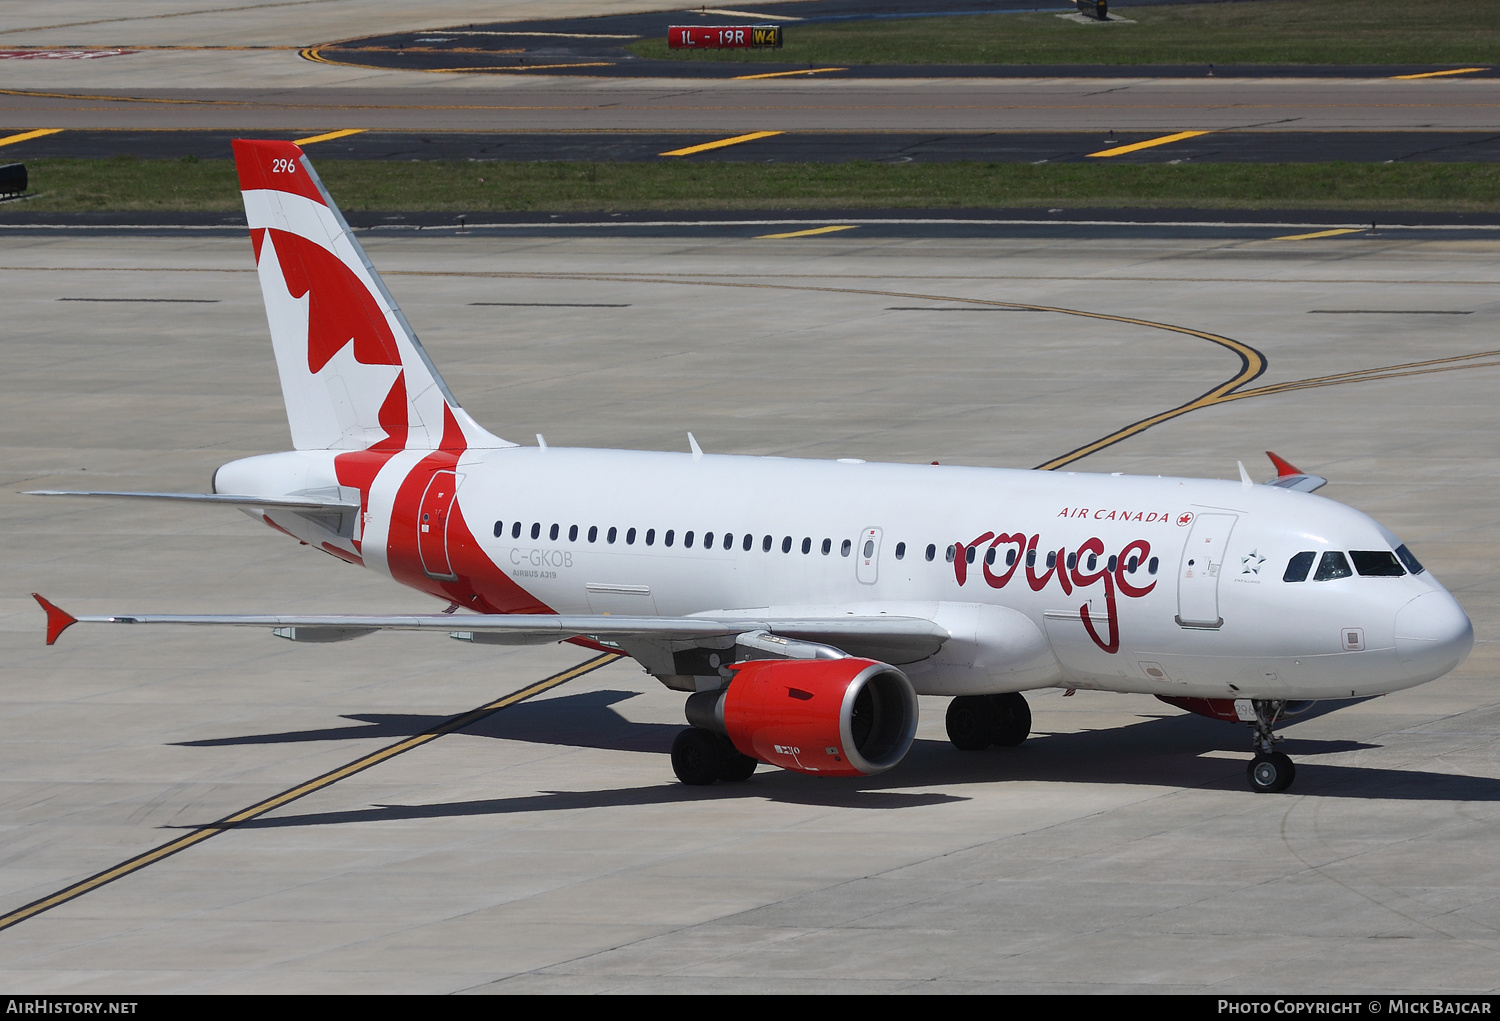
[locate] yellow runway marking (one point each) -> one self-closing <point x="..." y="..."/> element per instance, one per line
<point x="807" y="233"/>
<point x="201" y="834"/>
<point x="26" y="135"/>
<point x="330" y="136"/>
<point x="721" y="143"/>
<point x="1320" y="234"/>
<point x="1149" y="143"/>
<point x="785" y="74"/>
<point x="745" y="14"/>
<point x="1439" y="74"/>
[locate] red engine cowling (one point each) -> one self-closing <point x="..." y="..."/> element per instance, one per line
<point x="831" y="717"/>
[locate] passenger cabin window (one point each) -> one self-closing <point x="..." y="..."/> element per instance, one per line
<point x="1333" y="565"/>
<point x="1380" y="563"/>
<point x="806" y="546"/>
<point x="666" y="540"/>
<point x="765" y="544"/>
<point x="650" y="537"/>
<point x="828" y="547"/>
<point x="1404" y="555"/>
<point x="749" y="542"/>
<point x="900" y="550"/>
<point x="952" y="553"/>
<point x="1298" y="566"/>
<point x="708" y="540"/>
<point x="515" y="530"/>
<point x="1153" y="565"/>
<point x="786" y="544"/>
<point x="536" y="529"/>
<point x="593" y="533"/>
<point x="609" y="536"/>
<point x="931" y="551"/>
<point x="499" y="529"/>
<point x="728" y="540"/>
<point x="552" y="533"/>
<point x="845" y="548"/>
<point x="630" y="537"/>
<point x="572" y="533"/>
<point x="687" y="540"/>
<point x="1010" y="557"/>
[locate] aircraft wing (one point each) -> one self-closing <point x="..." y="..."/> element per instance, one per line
<point x="308" y="503"/>
<point x="909" y="638"/>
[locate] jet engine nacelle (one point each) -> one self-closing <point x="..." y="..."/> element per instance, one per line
<point x="842" y="717"/>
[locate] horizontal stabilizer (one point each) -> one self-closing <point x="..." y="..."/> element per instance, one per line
<point x="287" y="502"/>
<point x="1289" y="476"/>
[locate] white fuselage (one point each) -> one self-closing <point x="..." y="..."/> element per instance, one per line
<point x="1164" y="585"/>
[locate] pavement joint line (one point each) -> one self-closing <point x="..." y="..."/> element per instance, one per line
<point x="720" y="143"/>
<point x="785" y="74"/>
<point x="808" y="233"/>
<point x="329" y="136"/>
<point x="1149" y="143"/>
<point x="28" y="135"/>
<point x="1437" y="74"/>
<point x="1321" y="234"/>
<point x="318" y="783"/>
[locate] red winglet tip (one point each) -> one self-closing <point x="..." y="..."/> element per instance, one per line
<point x="1283" y="466"/>
<point x="58" y="619"/>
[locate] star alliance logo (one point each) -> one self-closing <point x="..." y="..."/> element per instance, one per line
<point x="1250" y="563"/>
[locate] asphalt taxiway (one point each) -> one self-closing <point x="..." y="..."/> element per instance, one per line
<point x="1243" y="146"/>
<point x="546" y="847"/>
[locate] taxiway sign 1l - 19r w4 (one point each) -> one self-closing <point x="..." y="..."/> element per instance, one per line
<point x="801" y="605"/>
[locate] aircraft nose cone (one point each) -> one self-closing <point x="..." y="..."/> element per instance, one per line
<point x="1433" y="635"/>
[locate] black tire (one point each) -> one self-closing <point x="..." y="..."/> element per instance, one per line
<point x="971" y="723"/>
<point x="736" y="766"/>
<point x="1269" y="774"/>
<point x="1012" y="719"/>
<point x="697" y="757"/>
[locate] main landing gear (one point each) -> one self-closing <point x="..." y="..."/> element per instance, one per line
<point x="977" y="721"/>
<point x="701" y="757"/>
<point x="1270" y="771"/>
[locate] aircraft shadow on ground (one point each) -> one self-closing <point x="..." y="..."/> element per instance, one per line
<point x="1165" y="751"/>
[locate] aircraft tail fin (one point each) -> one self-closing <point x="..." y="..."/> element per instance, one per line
<point x="353" y="374"/>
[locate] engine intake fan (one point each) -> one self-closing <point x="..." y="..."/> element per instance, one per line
<point x="844" y="717"/>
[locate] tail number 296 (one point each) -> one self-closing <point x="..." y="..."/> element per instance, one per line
<point x="283" y="166"/>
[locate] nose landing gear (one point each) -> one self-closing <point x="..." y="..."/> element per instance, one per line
<point x="1270" y="771"/>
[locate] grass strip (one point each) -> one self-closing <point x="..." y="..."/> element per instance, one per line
<point x="126" y="184"/>
<point x="1264" y="32"/>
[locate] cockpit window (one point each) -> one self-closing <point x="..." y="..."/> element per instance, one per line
<point x="1298" y="566"/>
<point x="1333" y="565"/>
<point x="1378" y="563"/>
<point x="1404" y="555"/>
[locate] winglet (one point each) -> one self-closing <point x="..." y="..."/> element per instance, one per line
<point x="1284" y="467"/>
<point x="58" y="619"/>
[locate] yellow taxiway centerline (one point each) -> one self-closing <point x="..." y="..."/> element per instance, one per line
<point x="330" y="136"/>
<point x="807" y="233"/>
<point x="784" y="74"/>
<point x="1437" y="74"/>
<point x="27" y="135"/>
<point x="1120" y="150"/>
<point x="721" y="143"/>
<point x="1319" y="234"/>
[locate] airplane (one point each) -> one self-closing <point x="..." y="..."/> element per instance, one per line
<point x="801" y="606"/>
